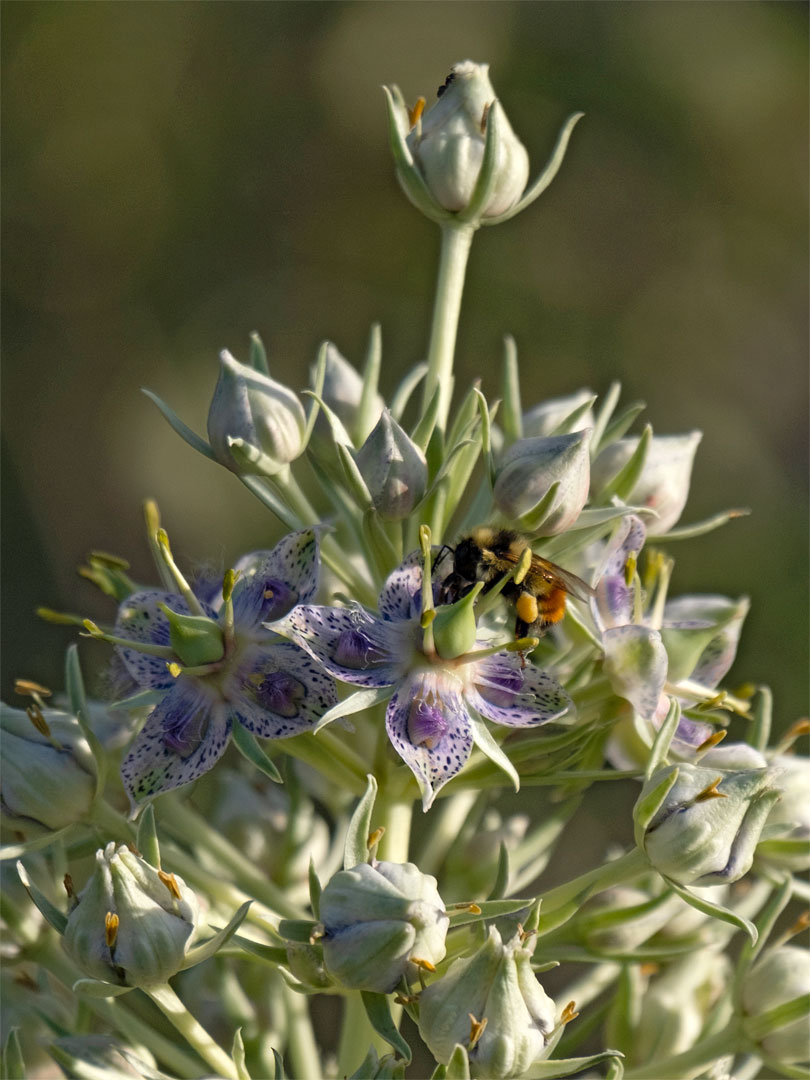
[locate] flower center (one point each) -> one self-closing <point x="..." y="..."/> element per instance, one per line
<point x="281" y="693"/>
<point x="277" y="599"/>
<point x="426" y="723"/>
<point x="354" y="650"/>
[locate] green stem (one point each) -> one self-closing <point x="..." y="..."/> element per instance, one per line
<point x="116" y="1013"/>
<point x="692" y="1061"/>
<point x="190" y="827"/>
<point x="560" y="903"/>
<point x="455" y="250"/>
<point x="303" y="1049"/>
<point x="356" y="1035"/>
<point x="450" y="816"/>
<point x="394" y="813"/>
<point x="194" y="1033"/>
<point x="329" y="756"/>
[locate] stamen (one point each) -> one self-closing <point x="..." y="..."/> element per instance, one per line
<point x="165" y="551"/>
<point x="170" y="881"/>
<point x="712" y="741"/>
<point x="375" y="837"/>
<point x="226" y="615"/>
<point x="428" y="644"/>
<point x="711" y="792"/>
<point x="415" y="113"/>
<point x="569" y="1013"/>
<point x="67" y="881"/>
<point x="110" y="928"/>
<point x="94" y="631"/>
<point x="30" y="688"/>
<point x="477" y="1028"/>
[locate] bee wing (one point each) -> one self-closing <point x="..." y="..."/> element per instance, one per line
<point x="562" y="579"/>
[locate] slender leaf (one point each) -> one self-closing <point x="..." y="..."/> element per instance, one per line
<point x="355" y="703"/>
<point x="238" y="1055"/>
<point x="13" y="1063"/>
<point x="208" y="948"/>
<point x="403" y="392"/>
<point x="258" y="355"/>
<point x="74" y="683"/>
<point x="502" y="876"/>
<point x="95" y="988"/>
<point x="486" y="743"/>
<point x="356" y="847"/>
<point x="379" y="1014"/>
<point x="488" y="173"/>
<point x="700" y="528"/>
<point x="549" y="1070"/>
<point x="648" y="806"/>
<point x="248" y="746"/>
<point x="183" y="430"/>
<point x="54" y="916"/>
<point x="315" y="889"/>
<point x="458" y="1067"/>
<point x="488" y="909"/>
<point x="663" y="739"/>
<point x="716" y="911"/>
<point x="603" y="415"/>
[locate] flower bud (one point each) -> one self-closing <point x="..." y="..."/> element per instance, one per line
<point x="664" y="481"/>
<point x="545" y="418"/>
<point x="342" y="392"/>
<point x="251" y="406"/>
<point x="46" y="781"/>
<point x="378" y="921"/>
<point x="394" y="469"/>
<point x="496" y="985"/>
<point x="707" y="828"/>
<point x="448" y="144"/>
<point x="789" y="819"/>
<point x="132" y="923"/>
<point x="527" y="471"/>
<point x="780" y="976"/>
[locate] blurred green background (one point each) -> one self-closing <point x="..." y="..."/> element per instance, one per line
<point x="177" y="175"/>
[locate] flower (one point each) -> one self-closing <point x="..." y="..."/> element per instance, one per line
<point x="266" y="684"/>
<point x="706" y="830"/>
<point x="546" y="417"/>
<point x="380" y="919"/>
<point x="664" y="481"/>
<point x="448" y="142"/>
<point x="132" y="923"/>
<point x="686" y="649"/>
<point x="393" y="467"/>
<point x="497" y="991"/>
<point x="263" y="413"/>
<point x="435" y="700"/>
<point x="528" y="470"/>
<point x="47" y="769"/>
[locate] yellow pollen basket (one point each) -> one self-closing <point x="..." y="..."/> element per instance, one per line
<point x="526" y="607"/>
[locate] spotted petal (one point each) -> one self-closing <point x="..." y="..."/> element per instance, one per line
<point x="430" y="730"/>
<point x="279" y="691"/>
<point x="636" y="664"/>
<point x="272" y="582"/>
<point x="349" y="643"/>
<point x="507" y="693"/>
<point x="725" y="615"/>
<point x="401" y="595"/>
<point x="184" y="737"/>
<point x="141" y="620"/>
<point x="613" y="603"/>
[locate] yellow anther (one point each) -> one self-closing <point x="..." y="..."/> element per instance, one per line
<point x="424" y="965"/>
<point x="426" y="618"/>
<point x="569" y="1013"/>
<point x="174" y="669"/>
<point x="630" y="567"/>
<point x="110" y="928"/>
<point x="711" y="792"/>
<point x="416" y="111"/>
<point x="649" y="968"/>
<point x="715" y="738"/>
<point x="746" y="691"/>
<point x="170" y="881"/>
<point x="28" y="687"/>
<point x="375" y="837"/>
<point x="476" y="1030"/>
<point x="801" y="727"/>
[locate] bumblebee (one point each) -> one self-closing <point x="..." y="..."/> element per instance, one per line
<point x="488" y="554"/>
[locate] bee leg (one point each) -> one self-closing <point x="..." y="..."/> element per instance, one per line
<point x="521" y="629"/>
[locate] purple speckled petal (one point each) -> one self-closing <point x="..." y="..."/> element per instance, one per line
<point x="613" y="603"/>
<point x="346" y="642"/>
<point x="636" y="663"/>
<point x="401" y="595"/>
<point x="419" y="709"/>
<point x="280" y="691"/>
<point x="507" y="693"/>
<point x="272" y="582"/>
<point x="140" y="619"/>
<point x="184" y="736"/>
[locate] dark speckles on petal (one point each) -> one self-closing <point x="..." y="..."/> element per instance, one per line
<point x="280" y="691"/>
<point x="184" y="737"/>
<point x="507" y="693"/>
<point x="432" y="765"/>
<point x="346" y="642"/>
